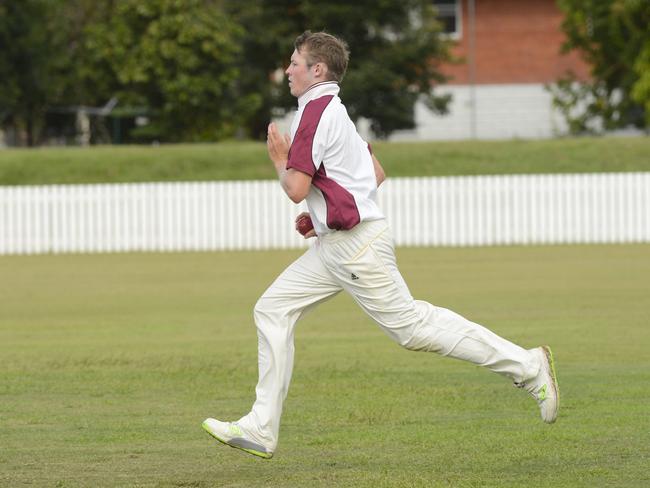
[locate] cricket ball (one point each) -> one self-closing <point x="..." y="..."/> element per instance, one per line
<point x="304" y="224"/>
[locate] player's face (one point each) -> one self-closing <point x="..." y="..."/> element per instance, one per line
<point x="301" y="77"/>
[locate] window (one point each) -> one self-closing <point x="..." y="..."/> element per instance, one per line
<point x="449" y="16"/>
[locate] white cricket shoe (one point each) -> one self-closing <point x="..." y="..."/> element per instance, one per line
<point x="231" y="434"/>
<point x="544" y="387"/>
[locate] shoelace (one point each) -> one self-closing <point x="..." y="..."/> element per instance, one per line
<point x="235" y="430"/>
<point x="539" y="395"/>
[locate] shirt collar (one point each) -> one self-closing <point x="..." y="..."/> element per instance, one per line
<point x="318" y="90"/>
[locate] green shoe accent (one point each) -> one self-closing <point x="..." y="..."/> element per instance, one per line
<point x="542" y="393"/>
<point x="235" y="428"/>
<point x="553" y="373"/>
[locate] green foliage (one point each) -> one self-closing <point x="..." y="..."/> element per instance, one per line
<point x="28" y="56"/>
<point x="612" y="36"/>
<point x="203" y="69"/>
<point x="177" y="58"/>
<point x="641" y="90"/>
<point x="395" y="53"/>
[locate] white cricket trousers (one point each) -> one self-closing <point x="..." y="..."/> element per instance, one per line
<point x="362" y="262"/>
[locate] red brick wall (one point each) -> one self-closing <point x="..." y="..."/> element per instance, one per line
<point x="516" y="41"/>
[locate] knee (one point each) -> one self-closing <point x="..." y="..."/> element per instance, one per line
<point x="420" y="335"/>
<point x="274" y="326"/>
<point x="269" y="312"/>
<point x="406" y="327"/>
<point x="416" y="342"/>
<point x="411" y="341"/>
<point x="405" y="335"/>
<point x="263" y="310"/>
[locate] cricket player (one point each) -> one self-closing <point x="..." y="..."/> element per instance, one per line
<point x="326" y="162"/>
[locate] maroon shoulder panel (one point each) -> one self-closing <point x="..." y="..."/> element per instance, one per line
<point x="300" y="152"/>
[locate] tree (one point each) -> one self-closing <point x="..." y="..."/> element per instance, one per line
<point x="396" y="50"/>
<point x="27" y="59"/>
<point x="174" y="58"/>
<point x="204" y="69"/>
<point x="613" y="37"/>
<point x="641" y="89"/>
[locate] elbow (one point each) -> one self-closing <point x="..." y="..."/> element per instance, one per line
<point x="296" y="195"/>
<point x="296" y="185"/>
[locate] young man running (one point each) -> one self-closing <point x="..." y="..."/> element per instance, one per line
<point x="326" y="162"/>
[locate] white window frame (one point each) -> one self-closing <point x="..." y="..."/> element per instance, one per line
<point x="458" y="12"/>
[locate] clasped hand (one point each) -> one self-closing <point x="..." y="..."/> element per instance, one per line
<point x="277" y="146"/>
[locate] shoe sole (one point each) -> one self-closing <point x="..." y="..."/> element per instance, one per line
<point x="263" y="455"/>
<point x="555" y="385"/>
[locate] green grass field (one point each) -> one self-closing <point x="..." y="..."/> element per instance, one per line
<point x="248" y="160"/>
<point x="109" y="363"/>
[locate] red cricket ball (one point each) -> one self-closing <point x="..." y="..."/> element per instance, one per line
<point x="304" y="224"/>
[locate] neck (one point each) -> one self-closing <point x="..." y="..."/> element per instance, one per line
<point x="318" y="83"/>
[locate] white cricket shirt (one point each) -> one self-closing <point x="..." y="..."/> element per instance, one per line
<point x="325" y="145"/>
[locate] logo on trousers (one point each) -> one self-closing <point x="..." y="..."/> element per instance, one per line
<point x="354" y="277"/>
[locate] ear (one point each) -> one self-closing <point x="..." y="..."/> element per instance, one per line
<point x="320" y="70"/>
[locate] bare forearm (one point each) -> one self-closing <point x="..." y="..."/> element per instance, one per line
<point x="294" y="183"/>
<point x="282" y="176"/>
<point x="380" y="175"/>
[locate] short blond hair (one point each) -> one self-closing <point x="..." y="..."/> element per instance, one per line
<point x="321" y="47"/>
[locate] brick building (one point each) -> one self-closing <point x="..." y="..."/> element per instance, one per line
<point x="511" y="50"/>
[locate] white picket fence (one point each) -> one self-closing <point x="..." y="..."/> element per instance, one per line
<point x="444" y="211"/>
